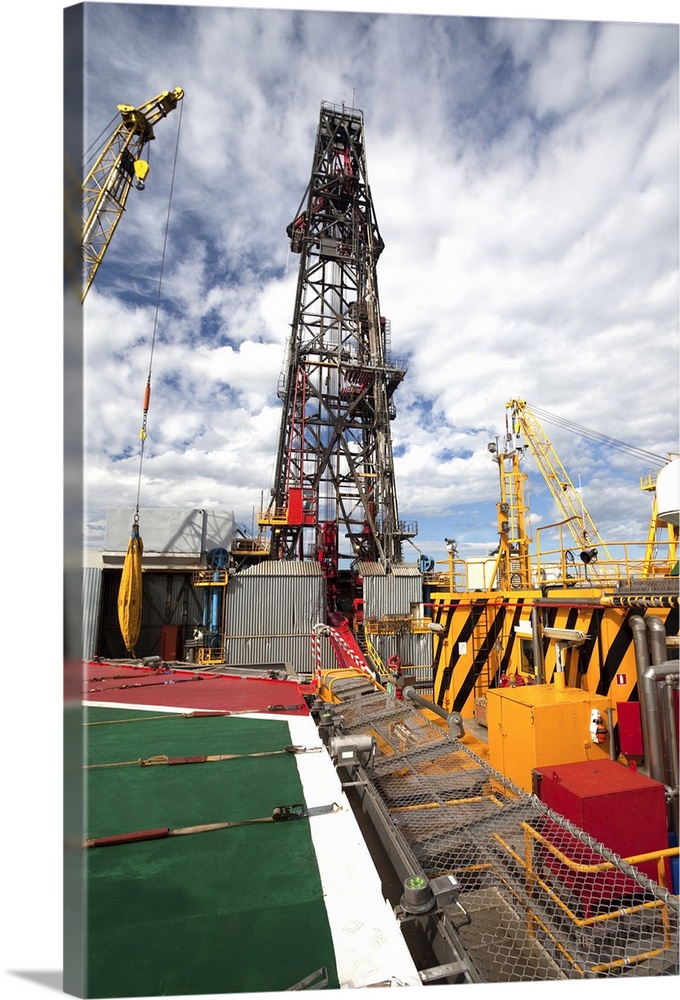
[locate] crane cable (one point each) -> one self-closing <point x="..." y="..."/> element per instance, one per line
<point x="97" y="144"/>
<point x="147" y="391"/>
<point x="596" y="436"/>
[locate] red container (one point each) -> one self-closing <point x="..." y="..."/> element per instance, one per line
<point x="630" y="728"/>
<point x="619" y="807"/>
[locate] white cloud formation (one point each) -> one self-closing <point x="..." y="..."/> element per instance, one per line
<point x="525" y="180"/>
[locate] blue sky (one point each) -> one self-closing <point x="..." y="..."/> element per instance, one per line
<point x="524" y="174"/>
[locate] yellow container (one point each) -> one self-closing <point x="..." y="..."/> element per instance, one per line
<point x="538" y="725"/>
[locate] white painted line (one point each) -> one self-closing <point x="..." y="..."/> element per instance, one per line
<point x="369" y="946"/>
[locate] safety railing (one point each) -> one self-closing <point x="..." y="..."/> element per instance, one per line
<point x="534" y="881"/>
<point x="393" y="624"/>
<point x="273" y="515"/>
<point x="210" y="577"/>
<point x="374" y="657"/>
<point x="546" y="900"/>
<point x="567" y="567"/>
<point x="208" y="654"/>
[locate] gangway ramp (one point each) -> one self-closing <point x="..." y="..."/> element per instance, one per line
<point x="539" y="899"/>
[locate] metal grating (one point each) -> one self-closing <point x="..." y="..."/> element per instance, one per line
<point x="544" y="901"/>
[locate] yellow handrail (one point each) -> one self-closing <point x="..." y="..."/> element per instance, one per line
<point x="602" y="866"/>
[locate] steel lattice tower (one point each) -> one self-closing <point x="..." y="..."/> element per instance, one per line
<point x="334" y="494"/>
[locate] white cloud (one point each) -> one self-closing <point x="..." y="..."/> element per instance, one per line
<point x="525" y="180"/>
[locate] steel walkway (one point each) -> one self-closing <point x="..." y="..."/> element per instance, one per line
<point x="535" y="898"/>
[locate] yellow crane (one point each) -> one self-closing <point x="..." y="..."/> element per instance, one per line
<point x="513" y="567"/>
<point x="662" y="534"/>
<point x="567" y="498"/>
<point x="107" y="185"/>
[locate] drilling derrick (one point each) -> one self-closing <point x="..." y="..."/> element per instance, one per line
<point x="334" y="494"/>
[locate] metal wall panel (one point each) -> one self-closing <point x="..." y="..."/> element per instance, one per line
<point x="412" y="650"/>
<point x="296" y="650"/>
<point x="167" y="599"/>
<point x="271" y="612"/>
<point x="391" y="595"/>
<point x="168" y="530"/>
<point x="92" y="590"/>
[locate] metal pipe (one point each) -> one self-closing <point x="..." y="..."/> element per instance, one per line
<point x="454" y="719"/>
<point x="639" y="628"/>
<point x="671" y="731"/>
<point x="656" y="634"/>
<point x="652" y="714"/>
<point x="663" y="732"/>
<point x="659" y="732"/>
<point x="650" y="682"/>
<point x="537" y="645"/>
<point x="215" y="610"/>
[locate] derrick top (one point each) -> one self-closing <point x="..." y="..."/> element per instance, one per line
<point x="341" y="109"/>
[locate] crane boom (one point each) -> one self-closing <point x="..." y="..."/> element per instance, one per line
<point x="566" y="496"/>
<point x="107" y="185"/>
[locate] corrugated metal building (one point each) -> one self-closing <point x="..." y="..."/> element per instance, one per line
<point x="92" y="589"/>
<point x="175" y="546"/>
<point x="272" y="609"/>
<point x="389" y="600"/>
<point x="172" y="539"/>
<point x="399" y="592"/>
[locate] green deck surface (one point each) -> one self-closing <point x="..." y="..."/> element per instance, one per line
<point x="229" y="911"/>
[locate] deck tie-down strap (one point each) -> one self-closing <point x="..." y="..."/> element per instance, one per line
<point x="162" y="758"/>
<point x="279" y="814"/>
<point x="142" y="684"/>
<point x="228" y="756"/>
<point x="300" y="811"/>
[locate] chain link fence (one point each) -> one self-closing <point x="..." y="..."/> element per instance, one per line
<point x="542" y="900"/>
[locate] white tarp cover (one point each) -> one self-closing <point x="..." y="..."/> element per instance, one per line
<point x="167" y="530"/>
